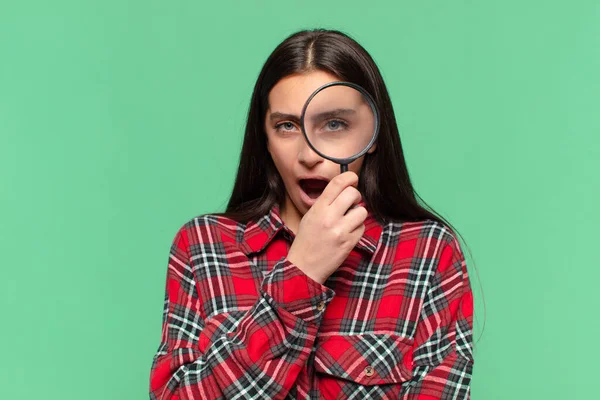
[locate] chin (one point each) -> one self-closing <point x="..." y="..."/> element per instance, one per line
<point x="301" y="207"/>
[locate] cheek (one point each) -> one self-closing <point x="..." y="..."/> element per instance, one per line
<point x="283" y="158"/>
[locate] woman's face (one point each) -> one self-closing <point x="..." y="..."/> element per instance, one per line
<point x="303" y="171"/>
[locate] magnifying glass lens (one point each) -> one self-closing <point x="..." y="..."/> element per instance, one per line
<point x="339" y="122"/>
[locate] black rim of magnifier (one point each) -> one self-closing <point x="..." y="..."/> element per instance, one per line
<point x="343" y="161"/>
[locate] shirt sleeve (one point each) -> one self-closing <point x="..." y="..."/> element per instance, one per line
<point x="442" y="356"/>
<point x="261" y="358"/>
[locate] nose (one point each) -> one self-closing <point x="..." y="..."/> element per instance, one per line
<point x="307" y="155"/>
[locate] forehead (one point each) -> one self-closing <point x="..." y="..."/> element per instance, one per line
<point x="291" y="92"/>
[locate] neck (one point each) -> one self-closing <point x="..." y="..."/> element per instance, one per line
<point x="290" y="215"/>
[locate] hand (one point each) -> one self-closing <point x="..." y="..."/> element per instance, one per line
<point x="330" y="229"/>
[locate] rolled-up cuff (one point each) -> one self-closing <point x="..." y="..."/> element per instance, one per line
<point x="296" y="292"/>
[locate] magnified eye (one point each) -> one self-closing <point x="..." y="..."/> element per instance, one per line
<point x="335" y="125"/>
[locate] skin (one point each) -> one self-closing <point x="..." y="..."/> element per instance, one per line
<point x="327" y="230"/>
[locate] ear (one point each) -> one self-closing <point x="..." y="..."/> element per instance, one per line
<point x="372" y="149"/>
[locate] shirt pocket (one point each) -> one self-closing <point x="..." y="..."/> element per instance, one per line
<point x="366" y="359"/>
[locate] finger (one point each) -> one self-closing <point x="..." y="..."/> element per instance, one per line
<point x="345" y="200"/>
<point x="358" y="233"/>
<point x="337" y="185"/>
<point x="354" y="219"/>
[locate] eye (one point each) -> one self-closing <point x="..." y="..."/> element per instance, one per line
<point x="333" y="124"/>
<point x="336" y="124"/>
<point x="285" y="126"/>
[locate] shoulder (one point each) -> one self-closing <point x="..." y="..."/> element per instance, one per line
<point x="428" y="230"/>
<point x="209" y="229"/>
<point x="426" y="242"/>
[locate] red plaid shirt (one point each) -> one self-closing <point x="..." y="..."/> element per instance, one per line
<point x="242" y="322"/>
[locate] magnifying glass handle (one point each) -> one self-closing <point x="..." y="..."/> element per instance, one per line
<point x="343" y="168"/>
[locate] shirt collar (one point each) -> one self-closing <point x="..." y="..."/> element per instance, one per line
<point x="258" y="233"/>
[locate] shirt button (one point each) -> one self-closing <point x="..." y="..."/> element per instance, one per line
<point x="369" y="371"/>
<point x="321" y="306"/>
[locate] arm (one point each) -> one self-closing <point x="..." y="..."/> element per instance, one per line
<point x="442" y="352"/>
<point x="261" y="358"/>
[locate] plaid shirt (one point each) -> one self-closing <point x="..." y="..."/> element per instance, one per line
<point x="242" y="322"/>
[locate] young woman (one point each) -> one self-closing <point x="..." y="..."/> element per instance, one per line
<point x="315" y="284"/>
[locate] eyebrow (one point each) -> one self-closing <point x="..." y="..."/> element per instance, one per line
<point x="338" y="112"/>
<point x="279" y="115"/>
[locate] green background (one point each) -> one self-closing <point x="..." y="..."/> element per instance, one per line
<point x="121" y="120"/>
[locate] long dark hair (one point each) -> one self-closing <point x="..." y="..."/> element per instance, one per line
<point x="384" y="181"/>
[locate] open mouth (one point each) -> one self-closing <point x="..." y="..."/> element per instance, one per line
<point x="313" y="187"/>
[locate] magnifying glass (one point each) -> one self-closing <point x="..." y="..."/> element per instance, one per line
<point x="340" y="122"/>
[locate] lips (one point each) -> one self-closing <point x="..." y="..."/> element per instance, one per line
<point x="313" y="187"/>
